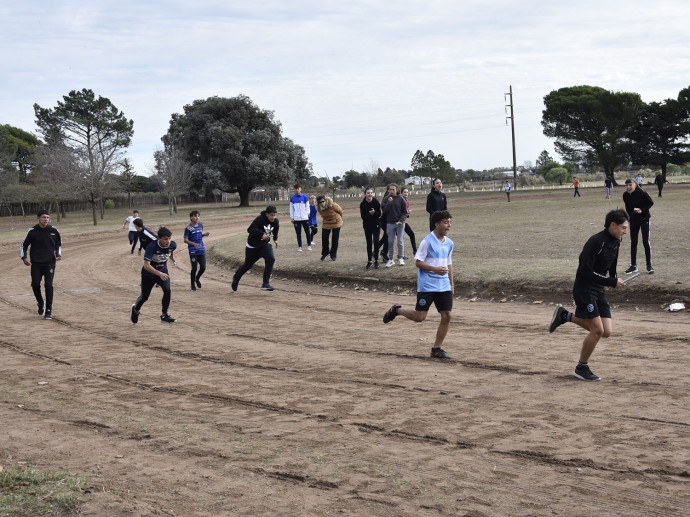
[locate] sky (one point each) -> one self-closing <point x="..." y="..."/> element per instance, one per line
<point x="360" y="84"/>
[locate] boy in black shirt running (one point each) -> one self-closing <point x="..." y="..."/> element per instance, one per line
<point x="155" y="272"/>
<point x="45" y="248"/>
<point x="595" y="272"/>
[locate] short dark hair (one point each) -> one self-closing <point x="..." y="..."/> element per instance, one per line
<point x="193" y="213"/>
<point x="135" y="211"/>
<point x="42" y="212"/>
<point x="270" y="209"/>
<point x="297" y="185"/>
<point x="629" y="181"/>
<point x="138" y="222"/>
<point x="439" y="216"/>
<point x="164" y="232"/>
<point x="618" y="216"/>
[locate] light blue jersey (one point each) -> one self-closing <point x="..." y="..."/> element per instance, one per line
<point x="435" y="253"/>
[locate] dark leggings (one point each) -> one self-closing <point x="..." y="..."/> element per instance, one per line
<point x="383" y="243"/>
<point x="298" y="230"/>
<point x="325" y="237"/>
<point x="251" y="255"/>
<point x="147" y="284"/>
<point x="200" y="261"/>
<point x="635" y="227"/>
<point x="371" y="234"/>
<point x="45" y="271"/>
<point x="413" y="240"/>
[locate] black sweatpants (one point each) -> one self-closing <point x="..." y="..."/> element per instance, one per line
<point x="252" y="255"/>
<point x="371" y="234"/>
<point x="45" y="272"/>
<point x="635" y="227"/>
<point x="200" y="262"/>
<point x="147" y="284"/>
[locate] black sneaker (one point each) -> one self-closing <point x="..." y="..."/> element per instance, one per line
<point x="650" y="269"/>
<point x="198" y="283"/>
<point x="235" y="283"/>
<point x="267" y="287"/>
<point x="47" y="315"/>
<point x="323" y="257"/>
<point x="40" y="310"/>
<point x="369" y="264"/>
<point x="560" y="316"/>
<point x="439" y="353"/>
<point x="376" y="264"/>
<point x="631" y="269"/>
<point x="193" y="286"/>
<point x="583" y="372"/>
<point x="134" y="315"/>
<point x="166" y="318"/>
<point x="391" y="313"/>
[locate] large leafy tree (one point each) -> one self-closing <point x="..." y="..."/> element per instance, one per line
<point x="592" y="125"/>
<point x="661" y="136"/>
<point x="240" y="142"/>
<point x="17" y="147"/>
<point x="432" y="165"/>
<point x="96" y="132"/>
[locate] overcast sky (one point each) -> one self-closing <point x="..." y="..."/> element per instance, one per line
<point x="356" y="83"/>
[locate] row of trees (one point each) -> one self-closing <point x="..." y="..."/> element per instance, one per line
<point x="232" y="145"/>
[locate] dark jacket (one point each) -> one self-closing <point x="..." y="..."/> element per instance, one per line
<point x="597" y="264"/>
<point x="45" y="244"/>
<point x="395" y="209"/>
<point x="261" y="226"/>
<point x="436" y="201"/>
<point x="369" y="220"/>
<point x="638" y="199"/>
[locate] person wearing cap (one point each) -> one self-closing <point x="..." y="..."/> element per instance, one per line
<point x="331" y="222"/>
<point x="263" y="228"/>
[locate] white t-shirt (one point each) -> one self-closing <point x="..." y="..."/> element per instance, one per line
<point x="130" y="220"/>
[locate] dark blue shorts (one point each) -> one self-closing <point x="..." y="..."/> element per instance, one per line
<point x="443" y="301"/>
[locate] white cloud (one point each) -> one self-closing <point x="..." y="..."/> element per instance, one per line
<point x="351" y="81"/>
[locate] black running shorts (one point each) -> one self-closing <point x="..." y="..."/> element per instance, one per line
<point x="589" y="305"/>
<point x="443" y="301"/>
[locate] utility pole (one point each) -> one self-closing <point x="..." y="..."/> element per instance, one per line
<point x="512" y="128"/>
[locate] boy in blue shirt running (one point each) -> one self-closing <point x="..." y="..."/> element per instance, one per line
<point x="155" y="272"/>
<point x="434" y="281"/>
<point x="193" y="237"/>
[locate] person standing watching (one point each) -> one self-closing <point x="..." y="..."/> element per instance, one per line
<point x="370" y="211"/>
<point x="331" y="221"/>
<point x="44" y="247"/>
<point x="436" y="201"/>
<point x="395" y="211"/>
<point x="576" y="186"/>
<point x="660" y="180"/>
<point x="506" y="187"/>
<point x="299" y="216"/>
<point x="637" y="204"/>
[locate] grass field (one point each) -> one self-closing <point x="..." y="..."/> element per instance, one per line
<point x="527" y="248"/>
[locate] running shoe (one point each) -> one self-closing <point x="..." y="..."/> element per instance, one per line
<point x="166" y="318"/>
<point x="440" y="353"/>
<point x="267" y="287"/>
<point x="583" y="373"/>
<point x="235" y="283"/>
<point x="401" y="262"/>
<point x="391" y="313"/>
<point x="198" y="284"/>
<point x="193" y="286"/>
<point x="560" y="316"/>
<point x="369" y="264"/>
<point x="389" y="263"/>
<point x="650" y="269"/>
<point x="376" y="264"/>
<point x="40" y="310"/>
<point x="299" y="249"/>
<point x="631" y="269"/>
<point x="47" y="315"/>
<point x="309" y="248"/>
<point x="134" y="315"/>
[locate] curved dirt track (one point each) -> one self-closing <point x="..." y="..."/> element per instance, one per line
<point x="301" y="402"/>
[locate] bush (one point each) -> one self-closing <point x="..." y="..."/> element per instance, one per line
<point x="109" y="203"/>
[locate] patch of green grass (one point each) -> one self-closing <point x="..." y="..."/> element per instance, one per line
<point x="26" y="491"/>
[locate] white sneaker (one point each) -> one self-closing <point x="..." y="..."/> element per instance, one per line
<point x="389" y="263"/>
<point x="310" y="248"/>
<point x="401" y="262"/>
<point x="299" y="249"/>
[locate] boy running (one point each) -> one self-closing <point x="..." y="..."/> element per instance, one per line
<point x="132" y="230"/>
<point x="264" y="228"/>
<point x="155" y="272"/>
<point x="146" y="236"/>
<point x="595" y="272"/>
<point x="434" y="281"/>
<point x="193" y="237"/>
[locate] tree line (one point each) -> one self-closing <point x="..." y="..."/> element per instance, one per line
<point x="232" y="145"/>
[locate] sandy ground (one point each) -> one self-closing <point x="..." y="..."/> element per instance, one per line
<point x="301" y="402"/>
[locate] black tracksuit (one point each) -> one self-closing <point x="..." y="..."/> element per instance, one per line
<point x="639" y="199"/>
<point x="43" y="245"/>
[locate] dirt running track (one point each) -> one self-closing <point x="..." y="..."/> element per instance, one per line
<point x="301" y="402"/>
